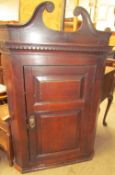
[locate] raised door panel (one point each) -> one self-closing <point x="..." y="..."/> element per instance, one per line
<point x="58" y="132"/>
<point x="56" y="97"/>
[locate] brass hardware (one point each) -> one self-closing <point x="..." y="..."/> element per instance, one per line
<point x="32" y="122"/>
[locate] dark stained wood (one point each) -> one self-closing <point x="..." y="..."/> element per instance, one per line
<point x="110" y="62"/>
<point x="54" y="81"/>
<point x="108" y="88"/>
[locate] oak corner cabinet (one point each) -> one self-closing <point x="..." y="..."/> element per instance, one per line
<point x="53" y="82"/>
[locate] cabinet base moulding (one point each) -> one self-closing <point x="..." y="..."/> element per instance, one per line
<point x="36" y="167"/>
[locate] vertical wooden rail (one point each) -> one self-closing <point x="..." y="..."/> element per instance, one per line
<point x="63" y="15"/>
<point x="95" y="13"/>
<point x="75" y="19"/>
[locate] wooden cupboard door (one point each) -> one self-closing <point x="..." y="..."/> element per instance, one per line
<point x="56" y="104"/>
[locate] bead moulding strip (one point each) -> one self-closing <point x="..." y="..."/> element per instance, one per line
<point x="45" y="47"/>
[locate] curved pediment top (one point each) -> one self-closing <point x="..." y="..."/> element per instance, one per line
<point x="37" y="17"/>
<point x="35" y="31"/>
<point x="86" y="20"/>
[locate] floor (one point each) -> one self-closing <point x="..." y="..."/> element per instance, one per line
<point x="104" y="159"/>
